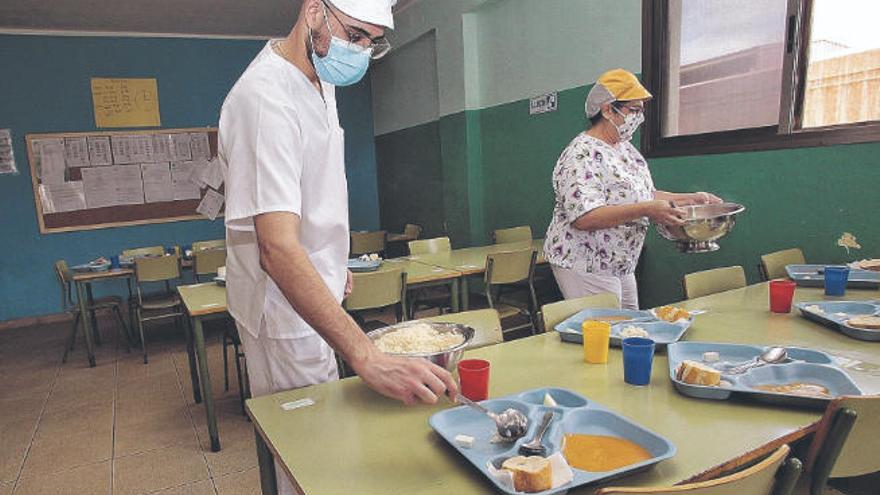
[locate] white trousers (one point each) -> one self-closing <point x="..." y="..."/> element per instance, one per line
<point x="577" y="282"/>
<point x="275" y="365"/>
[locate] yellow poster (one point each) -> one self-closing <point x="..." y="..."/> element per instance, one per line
<point x="125" y="102"/>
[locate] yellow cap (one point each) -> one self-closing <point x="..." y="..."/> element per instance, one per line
<point x="614" y="85"/>
<point x="623" y="85"/>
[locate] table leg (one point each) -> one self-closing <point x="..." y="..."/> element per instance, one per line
<point x="268" y="481"/>
<point x="193" y="367"/>
<point x="465" y="293"/>
<point x="87" y="325"/>
<point x="205" y="378"/>
<point x="94" y="318"/>
<point x="456" y="301"/>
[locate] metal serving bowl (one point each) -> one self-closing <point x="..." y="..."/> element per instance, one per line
<point x="704" y="224"/>
<point x="448" y="358"/>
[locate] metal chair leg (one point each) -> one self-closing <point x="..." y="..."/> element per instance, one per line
<point x="242" y="388"/>
<point x="141" y="331"/>
<point x="225" y="344"/>
<point x="69" y="346"/>
<point x="118" y="315"/>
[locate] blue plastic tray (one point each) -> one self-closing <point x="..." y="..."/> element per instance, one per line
<point x="574" y="414"/>
<point x="570" y="329"/>
<point x="804" y="365"/>
<point x="814" y="276"/>
<point x="661" y="332"/>
<point x="834" y="314"/>
<point x="357" y="265"/>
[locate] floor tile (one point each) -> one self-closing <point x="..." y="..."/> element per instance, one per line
<point x="158" y="469"/>
<point x="16" y="437"/>
<point x="89" y="418"/>
<point x="200" y="488"/>
<point x="241" y="483"/>
<point x="140" y="434"/>
<point x="233" y="457"/>
<point x="92" y="479"/>
<point x="54" y="453"/>
<point x="6" y="488"/>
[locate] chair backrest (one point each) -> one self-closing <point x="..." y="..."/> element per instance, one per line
<point x="835" y="454"/>
<point x="508" y="267"/>
<point x="157" y="268"/>
<point x="760" y="479"/>
<point x="485" y="322"/>
<point x="555" y="313"/>
<point x="214" y="244"/>
<point x="773" y="264"/>
<point x="367" y="242"/>
<point x="707" y="282"/>
<point x="64" y="277"/>
<point x="377" y="290"/>
<point x="430" y="246"/>
<point x="144" y="251"/>
<point x="206" y="261"/>
<point x="412" y="230"/>
<point x="513" y="234"/>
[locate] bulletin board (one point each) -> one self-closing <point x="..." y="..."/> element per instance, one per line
<point x="103" y="179"/>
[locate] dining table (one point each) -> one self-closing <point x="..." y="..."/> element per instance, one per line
<point x="342" y="437"/>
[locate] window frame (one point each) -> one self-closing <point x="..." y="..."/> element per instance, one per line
<point x="787" y="134"/>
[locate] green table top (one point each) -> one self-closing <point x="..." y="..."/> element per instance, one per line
<point x="417" y="273"/>
<point x="472" y="260"/>
<point x="355" y="441"/>
<point x="203" y="299"/>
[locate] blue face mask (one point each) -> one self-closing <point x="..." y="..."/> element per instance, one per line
<point x="344" y="64"/>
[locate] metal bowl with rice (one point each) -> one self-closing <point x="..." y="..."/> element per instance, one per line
<point x="446" y="357"/>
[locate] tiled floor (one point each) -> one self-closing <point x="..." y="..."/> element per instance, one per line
<point x="122" y="427"/>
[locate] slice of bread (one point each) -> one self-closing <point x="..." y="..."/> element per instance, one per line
<point x="530" y="474"/>
<point x="868" y="322"/>
<point x="697" y="373"/>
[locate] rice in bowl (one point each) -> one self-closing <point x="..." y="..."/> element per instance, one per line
<point x="419" y="338"/>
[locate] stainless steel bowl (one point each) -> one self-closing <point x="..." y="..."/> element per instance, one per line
<point x="447" y="358"/>
<point x="704" y="224"/>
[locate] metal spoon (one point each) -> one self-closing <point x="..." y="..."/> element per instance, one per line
<point x="772" y="355"/>
<point x="511" y="423"/>
<point x="535" y="447"/>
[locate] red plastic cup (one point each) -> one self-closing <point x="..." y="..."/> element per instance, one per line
<point x="474" y="376"/>
<point x="781" y="294"/>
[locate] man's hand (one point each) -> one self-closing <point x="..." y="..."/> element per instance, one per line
<point x="349" y="283"/>
<point x="409" y="380"/>
<point x="663" y="212"/>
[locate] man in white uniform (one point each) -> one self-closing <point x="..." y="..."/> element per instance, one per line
<point x="287" y="209"/>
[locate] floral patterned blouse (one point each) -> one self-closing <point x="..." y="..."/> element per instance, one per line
<point x="591" y="173"/>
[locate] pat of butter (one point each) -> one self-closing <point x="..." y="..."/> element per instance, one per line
<point x="464" y="441"/>
<point x="711" y="357"/>
<point x="548" y="400"/>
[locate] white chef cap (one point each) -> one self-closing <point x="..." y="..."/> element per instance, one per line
<point x="371" y="11"/>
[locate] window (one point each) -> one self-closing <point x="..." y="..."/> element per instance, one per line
<point x="736" y="75"/>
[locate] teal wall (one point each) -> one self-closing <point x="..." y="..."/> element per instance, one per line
<point x="45" y="88"/>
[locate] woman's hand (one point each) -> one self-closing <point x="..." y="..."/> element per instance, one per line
<point x="663" y="212"/>
<point x="703" y="198"/>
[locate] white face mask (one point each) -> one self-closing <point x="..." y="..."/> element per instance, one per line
<point x="631" y="122"/>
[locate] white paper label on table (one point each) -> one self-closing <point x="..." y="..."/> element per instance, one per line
<point x="180" y="147"/>
<point x="51" y="160"/>
<point x="99" y="151"/>
<point x="157" y="182"/>
<point x="123" y="149"/>
<point x="161" y="147"/>
<point x="99" y="186"/>
<point x="211" y="204"/>
<point x="76" y="152"/>
<point x="201" y="149"/>
<point x="7" y="156"/>
<point x="183" y="187"/>
<point x="68" y="196"/>
<point x="296" y="404"/>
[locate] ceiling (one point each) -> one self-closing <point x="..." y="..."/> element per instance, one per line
<point x="259" y="18"/>
<point x="254" y="18"/>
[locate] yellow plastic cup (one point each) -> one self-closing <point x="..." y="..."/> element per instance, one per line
<point x="596" y="335"/>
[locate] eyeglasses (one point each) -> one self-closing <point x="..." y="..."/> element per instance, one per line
<point x="631" y="109"/>
<point x="379" y="46"/>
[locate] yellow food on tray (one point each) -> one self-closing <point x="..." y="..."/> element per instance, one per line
<point x="671" y="313"/>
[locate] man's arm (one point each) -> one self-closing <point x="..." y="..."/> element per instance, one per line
<point x="284" y="259"/>
<point x="608" y="216"/>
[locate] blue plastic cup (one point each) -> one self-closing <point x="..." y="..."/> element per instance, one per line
<point x="638" y="359"/>
<point x="114" y="261"/>
<point x="835" y="280"/>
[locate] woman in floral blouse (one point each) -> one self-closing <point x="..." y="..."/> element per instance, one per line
<point x="605" y="197"/>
